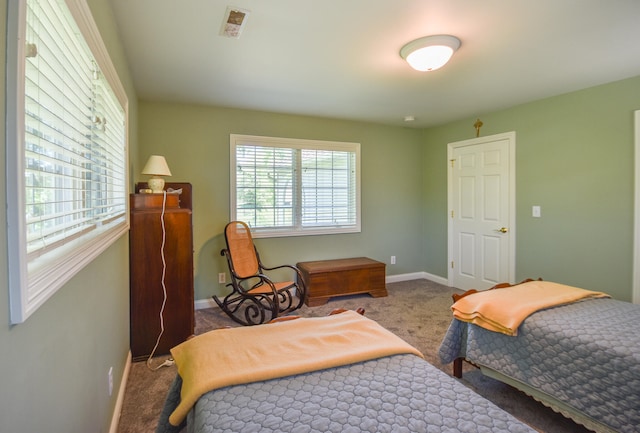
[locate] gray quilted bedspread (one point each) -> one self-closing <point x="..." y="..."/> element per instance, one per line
<point x="585" y="354"/>
<point x="400" y="393"/>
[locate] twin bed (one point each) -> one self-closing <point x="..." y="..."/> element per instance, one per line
<point x="389" y="388"/>
<point x="345" y="373"/>
<point x="581" y="358"/>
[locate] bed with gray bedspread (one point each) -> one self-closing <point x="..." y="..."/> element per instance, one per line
<point x="581" y="359"/>
<point x="399" y="393"/>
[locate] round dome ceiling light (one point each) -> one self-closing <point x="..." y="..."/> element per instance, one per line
<point x="430" y="52"/>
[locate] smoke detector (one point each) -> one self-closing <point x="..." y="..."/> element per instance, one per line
<point x="233" y="22"/>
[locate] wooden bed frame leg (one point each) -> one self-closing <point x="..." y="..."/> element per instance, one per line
<point x="457" y="367"/>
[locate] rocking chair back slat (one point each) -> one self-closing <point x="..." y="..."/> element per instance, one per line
<point x="243" y="253"/>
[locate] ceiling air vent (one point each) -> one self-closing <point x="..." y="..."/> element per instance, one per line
<point x="234" y="21"/>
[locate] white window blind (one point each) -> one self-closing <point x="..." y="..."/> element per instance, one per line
<point x="68" y="201"/>
<point x="289" y="187"/>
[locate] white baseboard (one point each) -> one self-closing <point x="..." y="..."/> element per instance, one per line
<point x="115" y="418"/>
<point x="417" y="276"/>
<point x="210" y="303"/>
<point x="201" y="304"/>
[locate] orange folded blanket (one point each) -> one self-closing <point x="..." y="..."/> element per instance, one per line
<point x="503" y="310"/>
<point x="235" y="356"/>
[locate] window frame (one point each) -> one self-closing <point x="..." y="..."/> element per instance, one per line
<point x="300" y="144"/>
<point x="28" y="290"/>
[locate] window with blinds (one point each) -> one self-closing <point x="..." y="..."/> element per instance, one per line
<point x="67" y="148"/>
<point x="289" y="187"/>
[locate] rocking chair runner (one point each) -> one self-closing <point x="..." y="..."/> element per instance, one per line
<point x="255" y="298"/>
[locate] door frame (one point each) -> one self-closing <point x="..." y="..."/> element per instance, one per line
<point x="511" y="137"/>
<point x="635" y="295"/>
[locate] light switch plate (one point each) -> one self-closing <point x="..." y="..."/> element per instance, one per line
<point x="536" y="212"/>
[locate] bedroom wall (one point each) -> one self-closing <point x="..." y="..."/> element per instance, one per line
<point x="53" y="367"/>
<point x="195" y="142"/>
<point x="574" y="158"/>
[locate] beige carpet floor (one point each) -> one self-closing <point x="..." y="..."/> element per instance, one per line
<point x="418" y="311"/>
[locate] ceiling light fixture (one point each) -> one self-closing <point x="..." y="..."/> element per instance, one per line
<point x="430" y="52"/>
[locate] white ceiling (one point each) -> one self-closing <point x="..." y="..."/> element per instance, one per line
<point x="340" y="58"/>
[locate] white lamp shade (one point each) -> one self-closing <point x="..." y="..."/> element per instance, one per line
<point x="431" y="52"/>
<point x="156" y="166"/>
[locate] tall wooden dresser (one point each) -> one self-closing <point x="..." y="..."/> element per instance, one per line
<point x="146" y="270"/>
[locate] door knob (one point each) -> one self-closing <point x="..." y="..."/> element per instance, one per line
<point x="503" y="230"/>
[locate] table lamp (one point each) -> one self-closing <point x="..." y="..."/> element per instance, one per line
<point x="156" y="166"/>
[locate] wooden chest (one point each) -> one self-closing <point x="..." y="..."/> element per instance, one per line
<point x="328" y="278"/>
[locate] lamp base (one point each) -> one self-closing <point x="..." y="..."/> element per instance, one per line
<point x="156" y="184"/>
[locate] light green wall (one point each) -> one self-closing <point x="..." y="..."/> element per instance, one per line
<point x="574" y="158"/>
<point x="53" y="367"/>
<point x="195" y="142"/>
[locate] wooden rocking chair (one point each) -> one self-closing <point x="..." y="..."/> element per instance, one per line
<point x="255" y="298"/>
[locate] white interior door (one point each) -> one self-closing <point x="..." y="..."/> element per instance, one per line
<point x="482" y="211"/>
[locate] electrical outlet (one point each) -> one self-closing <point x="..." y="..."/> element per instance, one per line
<point x="222" y="278"/>
<point x="110" y="375"/>
<point x="393" y="260"/>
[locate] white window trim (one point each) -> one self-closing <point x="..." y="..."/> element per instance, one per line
<point x="28" y="292"/>
<point x="237" y="139"/>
